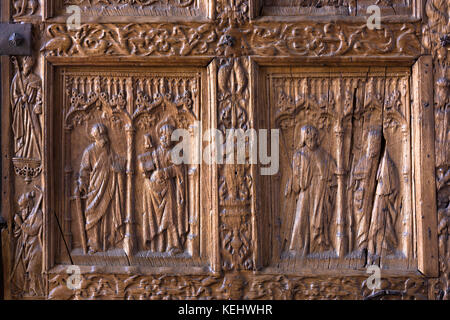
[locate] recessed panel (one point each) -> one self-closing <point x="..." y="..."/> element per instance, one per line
<point x="342" y="198"/>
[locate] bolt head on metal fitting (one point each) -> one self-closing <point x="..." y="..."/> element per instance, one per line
<point x="15" y="40"/>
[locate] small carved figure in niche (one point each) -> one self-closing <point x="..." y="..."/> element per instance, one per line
<point x="26" y="274"/>
<point x="314" y="181"/>
<point x="25" y="7"/>
<point x="382" y="236"/>
<point x="363" y="185"/>
<point x="165" y="223"/>
<point x="101" y="182"/>
<point x="26" y="102"/>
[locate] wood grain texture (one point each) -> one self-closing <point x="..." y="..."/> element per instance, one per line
<point x="424" y="166"/>
<point x="364" y="165"/>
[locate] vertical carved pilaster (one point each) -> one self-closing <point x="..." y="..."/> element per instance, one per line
<point x="340" y="115"/>
<point x="24" y="274"/>
<point x="234" y="179"/>
<point x="437" y="41"/>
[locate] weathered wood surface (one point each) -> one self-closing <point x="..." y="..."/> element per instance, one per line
<point x="363" y="173"/>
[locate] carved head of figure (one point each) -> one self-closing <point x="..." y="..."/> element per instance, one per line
<point x="25" y="203"/>
<point x="28" y="64"/>
<point x="165" y="133"/>
<point x="310" y="137"/>
<point x="374" y="143"/>
<point x="100" y="134"/>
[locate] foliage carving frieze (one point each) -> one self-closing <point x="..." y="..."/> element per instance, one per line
<point x="234" y="286"/>
<point x="262" y="39"/>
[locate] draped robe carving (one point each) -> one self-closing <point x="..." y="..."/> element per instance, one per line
<point x="100" y="177"/>
<point x="313" y="180"/>
<point x="164" y="218"/>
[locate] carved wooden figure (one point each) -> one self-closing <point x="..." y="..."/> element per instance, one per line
<point x="165" y="221"/>
<point x="26" y="274"/>
<point x="314" y="181"/>
<point x="100" y="182"/>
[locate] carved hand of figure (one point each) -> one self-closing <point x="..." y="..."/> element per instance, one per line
<point x="24" y="98"/>
<point x="20" y="142"/>
<point x="158" y="176"/>
<point x="82" y="188"/>
<point x="18" y="220"/>
<point x="38" y="108"/>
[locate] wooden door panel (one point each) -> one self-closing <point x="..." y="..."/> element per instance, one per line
<point x="356" y="115"/>
<point x="97" y="209"/>
<point x="128" y="103"/>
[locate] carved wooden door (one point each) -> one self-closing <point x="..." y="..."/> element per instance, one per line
<point x="344" y="125"/>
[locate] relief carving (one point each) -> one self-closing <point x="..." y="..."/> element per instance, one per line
<point x="25" y="8"/>
<point x="100" y="182"/>
<point x="138" y="7"/>
<point x="346" y="177"/>
<point x="362" y="182"/>
<point x="235" y="286"/>
<point x="26" y="104"/>
<point x="333" y="7"/>
<point x="26" y="274"/>
<point x="382" y="234"/>
<point x="314" y="181"/>
<point x="165" y="223"/>
<point x="332" y="40"/>
<point x="340" y="191"/>
<point x="437" y="33"/>
<point x="235" y="180"/>
<point x="131" y="39"/>
<point x="144" y="214"/>
<point x="288" y="39"/>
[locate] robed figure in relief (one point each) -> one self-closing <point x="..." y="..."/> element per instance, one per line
<point x="26" y="102"/>
<point x="165" y="222"/>
<point x="101" y="182"/>
<point x="382" y="235"/>
<point x="314" y="181"/>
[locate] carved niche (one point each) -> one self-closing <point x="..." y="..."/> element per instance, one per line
<point x="343" y="193"/>
<point x="136" y="8"/>
<point x="125" y="201"/>
<point x="334" y="7"/>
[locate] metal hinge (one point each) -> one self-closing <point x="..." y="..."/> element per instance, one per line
<point x="15" y="39"/>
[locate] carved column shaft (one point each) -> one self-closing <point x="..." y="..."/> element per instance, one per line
<point x="129" y="244"/>
<point x="341" y="237"/>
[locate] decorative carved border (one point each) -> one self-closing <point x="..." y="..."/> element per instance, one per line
<point x="315" y="40"/>
<point x="235" y="285"/>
